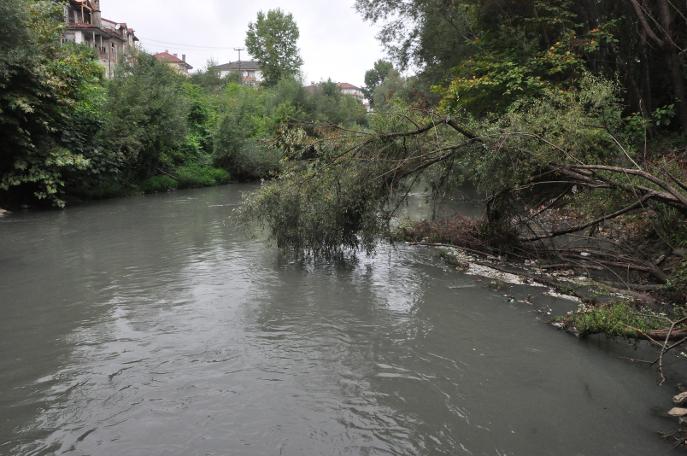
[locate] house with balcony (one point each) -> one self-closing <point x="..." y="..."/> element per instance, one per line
<point x="112" y="40"/>
<point x="174" y="62"/>
<point x="249" y="72"/>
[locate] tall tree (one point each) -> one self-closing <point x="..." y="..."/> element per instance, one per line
<point x="376" y="76"/>
<point x="273" y="41"/>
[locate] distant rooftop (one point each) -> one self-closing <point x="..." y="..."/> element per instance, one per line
<point x="347" y="86"/>
<point x="341" y="85"/>
<point x="169" y="58"/>
<point x="250" y="65"/>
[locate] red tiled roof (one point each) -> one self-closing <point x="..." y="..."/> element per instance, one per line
<point x="169" y="58"/>
<point x="347" y="86"/>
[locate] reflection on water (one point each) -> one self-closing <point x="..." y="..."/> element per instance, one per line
<point x="152" y="326"/>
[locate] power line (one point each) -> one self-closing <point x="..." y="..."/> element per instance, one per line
<point x="187" y="46"/>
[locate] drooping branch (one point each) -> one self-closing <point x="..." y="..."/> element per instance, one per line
<point x="634" y="206"/>
<point x="674" y="193"/>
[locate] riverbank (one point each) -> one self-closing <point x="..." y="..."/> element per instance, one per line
<point x="610" y="262"/>
<point x="601" y="310"/>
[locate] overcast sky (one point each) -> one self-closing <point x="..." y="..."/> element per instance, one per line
<point x="335" y="41"/>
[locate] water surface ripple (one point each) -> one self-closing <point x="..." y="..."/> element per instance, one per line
<point x="153" y="326"/>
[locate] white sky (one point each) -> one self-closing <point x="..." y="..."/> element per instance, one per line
<point x="335" y="42"/>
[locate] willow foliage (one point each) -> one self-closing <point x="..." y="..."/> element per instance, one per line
<point x="342" y="189"/>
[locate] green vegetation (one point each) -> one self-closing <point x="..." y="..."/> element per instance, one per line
<point x="159" y="184"/>
<point x="376" y="77"/>
<point x="48" y="95"/>
<point x="567" y="116"/>
<point x="619" y="319"/>
<point x="273" y="40"/>
<point x="67" y="134"/>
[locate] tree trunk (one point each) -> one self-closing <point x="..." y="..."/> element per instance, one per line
<point x="648" y="102"/>
<point x="674" y="62"/>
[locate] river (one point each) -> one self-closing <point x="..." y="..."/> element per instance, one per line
<point x="154" y="326"/>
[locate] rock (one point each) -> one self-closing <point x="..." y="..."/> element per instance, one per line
<point x="458" y="263"/>
<point x="680" y="398"/>
<point x="678" y="412"/>
<point x="3" y="212"/>
<point x="463" y="267"/>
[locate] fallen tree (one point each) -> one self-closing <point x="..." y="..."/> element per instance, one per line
<point x="561" y="178"/>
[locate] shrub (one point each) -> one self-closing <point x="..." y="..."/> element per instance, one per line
<point x="194" y="175"/>
<point x="106" y="188"/>
<point x="146" y="117"/>
<point x="618" y="319"/>
<point x="158" y="184"/>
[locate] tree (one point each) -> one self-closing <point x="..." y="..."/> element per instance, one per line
<point x="147" y="117"/>
<point x="495" y="51"/>
<point x="390" y="88"/>
<point x="48" y="94"/>
<point x="209" y="78"/>
<point x="329" y="105"/>
<point x="376" y="76"/>
<point x="240" y="145"/>
<point x="273" y="41"/>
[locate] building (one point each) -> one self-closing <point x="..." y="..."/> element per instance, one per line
<point x="112" y="40"/>
<point x="345" y="88"/>
<point x="350" y="89"/>
<point x="251" y="72"/>
<point x="173" y="61"/>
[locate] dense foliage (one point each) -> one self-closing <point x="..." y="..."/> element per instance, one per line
<point x="376" y="76"/>
<point x="567" y="116"/>
<point x="66" y="133"/>
<point x="47" y="95"/>
<point x="494" y="51"/>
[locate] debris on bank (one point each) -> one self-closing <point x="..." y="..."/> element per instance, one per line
<point x="493" y="268"/>
<point x="679" y="411"/>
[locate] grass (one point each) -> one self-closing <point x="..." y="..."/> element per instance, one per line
<point x="159" y="184"/>
<point x="195" y="175"/>
<point x="619" y="319"/>
<point x="190" y="175"/>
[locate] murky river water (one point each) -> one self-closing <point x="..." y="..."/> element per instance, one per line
<point x="152" y="326"/>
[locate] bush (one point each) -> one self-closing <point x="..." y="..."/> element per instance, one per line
<point x="618" y="319"/>
<point x="106" y="188"/>
<point x="195" y="175"/>
<point x="159" y="184"/>
<point x="252" y="161"/>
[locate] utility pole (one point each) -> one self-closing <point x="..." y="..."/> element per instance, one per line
<point x="239" y="50"/>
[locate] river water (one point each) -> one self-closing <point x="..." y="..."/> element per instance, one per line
<point x="154" y="326"/>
